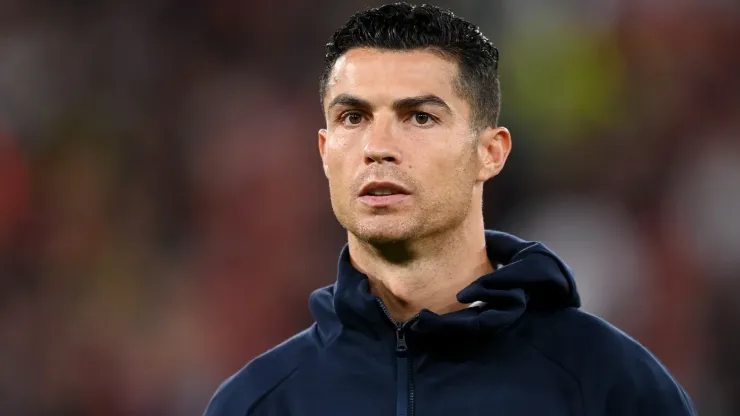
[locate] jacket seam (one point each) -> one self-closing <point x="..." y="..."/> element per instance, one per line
<point x="321" y="345"/>
<point x="562" y="367"/>
<point x="260" y="400"/>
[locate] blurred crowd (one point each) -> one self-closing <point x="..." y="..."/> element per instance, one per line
<point x="164" y="215"/>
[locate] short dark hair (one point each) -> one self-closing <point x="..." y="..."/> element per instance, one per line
<point x="402" y="26"/>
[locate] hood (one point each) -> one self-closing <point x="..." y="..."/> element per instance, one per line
<point x="530" y="277"/>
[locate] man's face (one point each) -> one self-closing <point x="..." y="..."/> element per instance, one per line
<point x="398" y="150"/>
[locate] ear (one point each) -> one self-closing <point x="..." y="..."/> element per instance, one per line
<point x="322" y="149"/>
<point x="494" y="145"/>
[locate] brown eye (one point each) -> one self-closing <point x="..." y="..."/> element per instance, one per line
<point x="353" y="118"/>
<point x="422" y="119"/>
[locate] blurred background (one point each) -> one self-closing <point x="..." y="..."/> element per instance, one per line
<point x="164" y="215"/>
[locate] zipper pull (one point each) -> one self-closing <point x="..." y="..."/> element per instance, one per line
<point x="401" y="346"/>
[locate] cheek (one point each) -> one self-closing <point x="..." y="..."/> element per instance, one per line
<point x="339" y="146"/>
<point x="452" y="174"/>
<point x="339" y="167"/>
<point x="343" y="148"/>
<point x="340" y="139"/>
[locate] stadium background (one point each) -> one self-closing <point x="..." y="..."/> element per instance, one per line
<point x="163" y="214"/>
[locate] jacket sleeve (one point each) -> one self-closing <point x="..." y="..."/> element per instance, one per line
<point x="648" y="389"/>
<point x="226" y="401"/>
<point x="237" y="395"/>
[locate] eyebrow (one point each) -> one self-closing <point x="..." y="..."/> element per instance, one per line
<point x="349" y="100"/>
<point x="407" y="103"/>
<point x="419" y="101"/>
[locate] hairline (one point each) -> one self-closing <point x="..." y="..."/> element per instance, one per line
<point x="458" y="80"/>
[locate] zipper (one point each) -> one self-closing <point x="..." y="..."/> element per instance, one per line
<point x="405" y="402"/>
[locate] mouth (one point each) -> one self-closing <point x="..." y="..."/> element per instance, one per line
<point x="383" y="194"/>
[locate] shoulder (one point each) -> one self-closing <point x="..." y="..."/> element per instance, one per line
<point x="611" y="367"/>
<point x="572" y="330"/>
<point x="242" y="392"/>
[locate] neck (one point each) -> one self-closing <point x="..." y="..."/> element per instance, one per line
<point x="427" y="273"/>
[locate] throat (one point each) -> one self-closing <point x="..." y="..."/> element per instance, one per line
<point x="405" y="295"/>
<point x="411" y="276"/>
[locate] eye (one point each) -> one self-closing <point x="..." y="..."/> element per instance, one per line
<point x="351" y="118"/>
<point x="422" y="119"/>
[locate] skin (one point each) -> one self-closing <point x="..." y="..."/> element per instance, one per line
<point x="395" y="116"/>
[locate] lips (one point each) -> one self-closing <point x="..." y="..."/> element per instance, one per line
<point x="383" y="194"/>
<point x="383" y="189"/>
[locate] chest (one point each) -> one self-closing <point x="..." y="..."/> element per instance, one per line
<point x="347" y="383"/>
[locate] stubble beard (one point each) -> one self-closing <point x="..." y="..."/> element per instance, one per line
<point x="382" y="228"/>
<point x="403" y="228"/>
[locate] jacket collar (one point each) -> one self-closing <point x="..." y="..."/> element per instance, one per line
<point x="531" y="277"/>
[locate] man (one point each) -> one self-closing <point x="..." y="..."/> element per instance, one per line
<point x="431" y="314"/>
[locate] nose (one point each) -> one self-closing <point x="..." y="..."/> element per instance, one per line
<point x="381" y="145"/>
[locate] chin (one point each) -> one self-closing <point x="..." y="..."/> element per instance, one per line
<point x="384" y="231"/>
<point x="381" y="238"/>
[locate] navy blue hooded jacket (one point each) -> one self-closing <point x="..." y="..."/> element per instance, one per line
<point x="523" y="348"/>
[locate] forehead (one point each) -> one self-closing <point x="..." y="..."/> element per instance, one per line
<point x="373" y="73"/>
